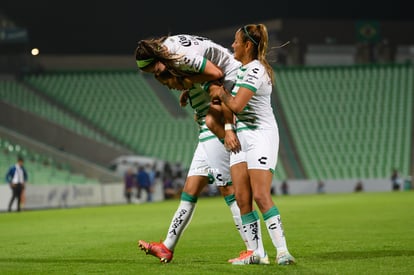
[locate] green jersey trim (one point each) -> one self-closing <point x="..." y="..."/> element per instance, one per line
<point x="207" y="138"/>
<point x="204" y="130"/>
<point x="253" y="127"/>
<point x="194" y="96"/>
<point x="198" y="105"/>
<point x="203" y="66"/>
<point x="247" y="86"/>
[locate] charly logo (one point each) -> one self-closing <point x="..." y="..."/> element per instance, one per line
<point x="262" y="160"/>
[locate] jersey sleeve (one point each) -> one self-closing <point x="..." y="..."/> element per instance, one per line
<point x="253" y="78"/>
<point x="192" y="63"/>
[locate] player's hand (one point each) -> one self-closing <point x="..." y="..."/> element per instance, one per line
<point x="215" y="91"/>
<point x="231" y="141"/>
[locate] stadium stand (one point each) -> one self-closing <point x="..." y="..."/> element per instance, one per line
<point x="123" y="105"/>
<point x="344" y="121"/>
<point x="42" y="169"/>
<point x="338" y="121"/>
<point x="349" y="121"/>
<point x="17" y="94"/>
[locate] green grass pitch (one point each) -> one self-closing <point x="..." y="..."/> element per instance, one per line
<point x="358" y="233"/>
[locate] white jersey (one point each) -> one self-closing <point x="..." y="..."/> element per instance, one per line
<point x="210" y="157"/>
<point x="194" y="51"/>
<point x="260" y="145"/>
<point x="258" y="113"/>
<point x="200" y="102"/>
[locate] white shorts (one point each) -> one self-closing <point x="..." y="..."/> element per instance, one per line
<point x="259" y="149"/>
<point x="210" y="157"/>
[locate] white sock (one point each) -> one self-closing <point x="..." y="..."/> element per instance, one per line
<point x="181" y="219"/>
<point x="275" y="228"/>
<point x="252" y="230"/>
<point x="235" y="210"/>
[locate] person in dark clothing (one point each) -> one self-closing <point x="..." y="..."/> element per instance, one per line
<point x="395" y="180"/>
<point x="16" y="177"/>
<point x="130" y="183"/>
<point x="284" y="188"/>
<point x="144" y="182"/>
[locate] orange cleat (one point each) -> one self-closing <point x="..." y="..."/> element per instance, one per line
<point x="156" y="249"/>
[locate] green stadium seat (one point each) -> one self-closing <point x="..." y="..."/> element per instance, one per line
<point x="42" y="169"/>
<point x="363" y="111"/>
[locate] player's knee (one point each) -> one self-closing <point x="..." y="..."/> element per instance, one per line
<point x="263" y="202"/>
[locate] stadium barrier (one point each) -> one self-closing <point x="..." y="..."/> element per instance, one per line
<point x="297" y="187"/>
<point x="76" y="195"/>
<point x="72" y="195"/>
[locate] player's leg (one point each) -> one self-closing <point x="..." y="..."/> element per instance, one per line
<point x="149" y="190"/>
<point x="228" y="194"/>
<point x="197" y="179"/>
<point x="218" y="159"/>
<point x="19" y="189"/>
<point x="139" y="190"/>
<point x="214" y="120"/>
<point x="182" y="217"/>
<point x="261" y="161"/>
<point x="14" y="195"/>
<point x="261" y="181"/>
<point x="250" y="218"/>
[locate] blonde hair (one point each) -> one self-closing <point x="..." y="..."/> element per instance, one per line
<point x="257" y="34"/>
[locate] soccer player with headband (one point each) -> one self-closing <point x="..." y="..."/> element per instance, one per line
<point x="252" y="168"/>
<point x="191" y="64"/>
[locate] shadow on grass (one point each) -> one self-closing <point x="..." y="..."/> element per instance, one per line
<point x="341" y="255"/>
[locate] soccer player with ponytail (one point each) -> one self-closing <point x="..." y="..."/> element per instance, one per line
<point x="252" y="168"/>
<point x="191" y="64"/>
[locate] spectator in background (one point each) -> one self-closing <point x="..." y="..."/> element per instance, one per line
<point x="169" y="189"/>
<point x="359" y="186"/>
<point x="284" y="188"/>
<point x="167" y="171"/>
<point x="273" y="188"/>
<point x="407" y="183"/>
<point x="143" y="182"/>
<point x="130" y="183"/>
<point x="17" y="177"/>
<point x="395" y="180"/>
<point x="178" y="170"/>
<point x="152" y="173"/>
<point x="320" y="189"/>
<point x="173" y="187"/>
